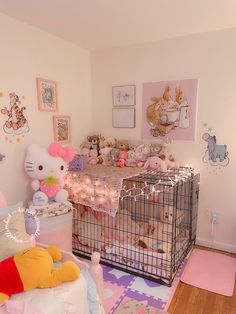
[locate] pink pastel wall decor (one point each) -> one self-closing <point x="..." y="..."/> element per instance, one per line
<point x="170" y="109"/>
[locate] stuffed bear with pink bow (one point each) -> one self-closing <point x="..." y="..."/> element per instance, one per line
<point x="47" y="168"/>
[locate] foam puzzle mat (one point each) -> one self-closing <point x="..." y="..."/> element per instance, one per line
<point x="127" y="293"/>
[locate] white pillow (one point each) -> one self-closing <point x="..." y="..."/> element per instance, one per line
<point x="13" y="236"/>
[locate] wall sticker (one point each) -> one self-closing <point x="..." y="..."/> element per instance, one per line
<point x="15" y="124"/>
<point x="215" y="154"/>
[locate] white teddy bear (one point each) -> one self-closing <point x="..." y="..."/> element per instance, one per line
<point x="93" y="157"/>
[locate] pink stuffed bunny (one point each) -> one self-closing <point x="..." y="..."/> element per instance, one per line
<point x="170" y="162"/>
<point x="155" y="163"/>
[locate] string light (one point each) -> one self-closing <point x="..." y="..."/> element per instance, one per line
<point x="153" y="189"/>
<point x="100" y="191"/>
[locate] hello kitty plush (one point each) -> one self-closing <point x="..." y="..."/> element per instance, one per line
<point x="47" y="168"/>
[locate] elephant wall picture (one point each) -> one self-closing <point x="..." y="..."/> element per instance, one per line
<point x="215" y="154"/>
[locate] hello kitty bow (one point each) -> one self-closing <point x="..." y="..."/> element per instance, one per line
<point x="57" y="150"/>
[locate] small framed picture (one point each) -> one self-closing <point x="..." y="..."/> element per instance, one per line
<point x="123" y="117"/>
<point x="61" y="127"/>
<point x="47" y="95"/>
<point x="123" y="95"/>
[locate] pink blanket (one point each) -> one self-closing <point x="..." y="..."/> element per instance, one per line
<point x="18" y="307"/>
<point x="99" y="187"/>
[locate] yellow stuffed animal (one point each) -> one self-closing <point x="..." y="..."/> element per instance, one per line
<point x="33" y="268"/>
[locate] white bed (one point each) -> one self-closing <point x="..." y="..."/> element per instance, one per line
<point x="69" y="297"/>
<point x="82" y="296"/>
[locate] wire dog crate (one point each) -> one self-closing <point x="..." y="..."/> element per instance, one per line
<point x="153" y="230"/>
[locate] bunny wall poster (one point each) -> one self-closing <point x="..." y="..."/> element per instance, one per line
<point x="47" y="167"/>
<point x="169" y="109"/>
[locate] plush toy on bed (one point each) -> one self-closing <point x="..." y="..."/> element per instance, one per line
<point x="47" y="168"/>
<point x="170" y="162"/>
<point x="155" y="163"/>
<point x="33" y="268"/>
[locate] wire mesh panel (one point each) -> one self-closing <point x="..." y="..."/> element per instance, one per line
<point x="153" y="230"/>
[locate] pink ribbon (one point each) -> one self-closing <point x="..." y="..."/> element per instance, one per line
<point x="57" y="150"/>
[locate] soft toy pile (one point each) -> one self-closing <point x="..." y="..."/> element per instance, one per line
<point x="111" y="152"/>
<point x="33" y="268"/>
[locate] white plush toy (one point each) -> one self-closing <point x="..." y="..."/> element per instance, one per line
<point x="47" y="168"/>
<point x="93" y="157"/>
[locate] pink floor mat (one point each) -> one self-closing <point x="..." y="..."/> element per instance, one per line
<point x="211" y="271"/>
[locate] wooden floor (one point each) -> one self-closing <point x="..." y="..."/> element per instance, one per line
<point x="191" y="300"/>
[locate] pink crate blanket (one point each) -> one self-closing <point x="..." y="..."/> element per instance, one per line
<point x="99" y="187"/>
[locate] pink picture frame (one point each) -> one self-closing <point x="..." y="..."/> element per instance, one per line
<point x="47" y="95"/>
<point x="62" y="129"/>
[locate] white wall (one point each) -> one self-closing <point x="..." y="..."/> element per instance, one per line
<point x="27" y="53"/>
<point x="210" y="57"/>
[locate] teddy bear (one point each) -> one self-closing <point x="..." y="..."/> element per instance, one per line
<point x="94" y="140"/>
<point x="105" y="156"/>
<point x="47" y="167"/>
<point x="122" y="145"/>
<point x="155" y="149"/>
<point x="33" y="268"/>
<point x="155" y="163"/>
<point x="85" y="148"/>
<point x="108" y="142"/>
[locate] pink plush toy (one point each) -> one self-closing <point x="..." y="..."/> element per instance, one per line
<point x="122" y="158"/>
<point x="170" y="162"/>
<point x="155" y="163"/>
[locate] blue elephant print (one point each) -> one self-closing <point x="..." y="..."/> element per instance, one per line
<point x="216" y="152"/>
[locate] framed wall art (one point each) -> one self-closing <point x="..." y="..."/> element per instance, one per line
<point x="170" y="109"/>
<point x="123" y="95"/>
<point x="62" y="129"/>
<point x="47" y="95"/>
<point x="123" y="117"/>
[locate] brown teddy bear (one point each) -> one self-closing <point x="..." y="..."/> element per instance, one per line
<point x="122" y="145"/>
<point x="94" y="140"/>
